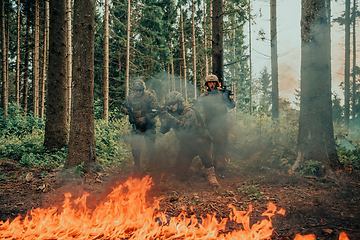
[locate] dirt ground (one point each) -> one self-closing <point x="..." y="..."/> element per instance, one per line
<point x="322" y="207"/>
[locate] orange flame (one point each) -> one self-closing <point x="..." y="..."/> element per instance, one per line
<point x="127" y="215"/>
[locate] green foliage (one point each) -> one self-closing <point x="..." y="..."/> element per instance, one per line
<point x="79" y="169"/>
<point x="310" y="167"/>
<point x="256" y="143"/>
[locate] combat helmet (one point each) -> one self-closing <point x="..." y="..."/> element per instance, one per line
<point x="138" y="85"/>
<point x="173" y="98"/>
<point x="211" y="78"/>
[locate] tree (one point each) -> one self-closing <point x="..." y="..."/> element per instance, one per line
<point x="274" y="62"/>
<point x="5" y="83"/>
<point x="82" y="131"/>
<point x="347" y="62"/>
<point x="35" y="83"/>
<point x="45" y="62"/>
<point x="217" y="43"/>
<point x="69" y="55"/>
<point x="106" y="62"/>
<point x="128" y="50"/>
<point x="316" y="135"/>
<point x="56" y="125"/>
<point x="354" y="62"/>
<point x="17" y="78"/>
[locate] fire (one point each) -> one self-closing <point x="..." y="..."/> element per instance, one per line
<point x="126" y="214"/>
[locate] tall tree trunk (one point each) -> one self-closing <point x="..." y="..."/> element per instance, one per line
<point x="211" y="35"/>
<point x="5" y="84"/>
<point x="82" y="131"/>
<point x="250" y="63"/>
<point x="17" y="77"/>
<point x="56" y="125"/>
<point x="69" y="55"/>
<point x="43" y="74"/>
<point x="205" y="43"/>
<point x="217" y="44"/>
<point x="36" y="61"/>
<point x="354" y="63"/>
<point x="183" y="52"/>
<point x="316" y="135"/>
<point x="127" y="52"/>
<point x="106" y="62"/>
<point x="26" y="66"/>
<point x="274" y="62"/>
<point x="347" y="62"/>
<point x="194" y="48"/>
<point x="172" y="68"/>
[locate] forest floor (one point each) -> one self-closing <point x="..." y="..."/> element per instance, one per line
<point x="319" y="206"/>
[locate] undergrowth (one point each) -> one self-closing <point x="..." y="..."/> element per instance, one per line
<point x="256" y="143"/>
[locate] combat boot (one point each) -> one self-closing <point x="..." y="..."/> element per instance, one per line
<point x="210" y="174"/>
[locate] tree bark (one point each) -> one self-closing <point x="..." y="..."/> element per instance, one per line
<point x="217" y="44"/>
<point x="128" y="52"/>
<point x="274" y="62"/>
<point x="194" y="48"/>
<point x="26" y="66"/>
<point x="354" y="63"/>
<point x="36" y="62"/>
<point x="347" y="63"/>
<point x="106" y="63"/>
<point x="316" y="135"/>
<point x="82" y="131"/>
<point x="183" y="53"/>
<point x="45" y="57"/>
<point x="56" y="125"/>
<point x="250" y="63"/>
<point x="17" y="77"/>
<point x="205" y="43"/>
<point x="69" y="56"/>
<point x="5" y="83"/>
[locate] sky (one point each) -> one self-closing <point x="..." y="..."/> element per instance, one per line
<point x="289" y="44"/>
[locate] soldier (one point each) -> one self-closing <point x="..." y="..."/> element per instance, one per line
<point x="140" y="107"/>
<point x="190" y="130"/>
<point x="214" y="102"/>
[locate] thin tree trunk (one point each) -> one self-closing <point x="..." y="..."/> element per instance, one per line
<point x="183" y="52"/>
<point x="127" y="52"/>
<point x="106" y="62"/>
<point x="36" y="61"/>
<point x="354" y="63"/>
<point x="82" y="130"/>
<point x="250" y="63"/>
<point x="347" y="63"/>
<point x="26" y="66"/>
<point x="69" y="56"/>
<point x="205" y="43"/>
<point x="172" y="68"/>
<point x="5" y="91"/>
<point x="17" y="77"/>
<point x="274" y="62"/>
<point x="217" y="44"/>
<point x="46" y="46"/>
<point x="194" y="48"/>
<point x="211" y="35"/>
<point x="56" y="125"/>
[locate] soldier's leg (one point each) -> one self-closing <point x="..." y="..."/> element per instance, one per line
<point x="204" y="152"/>
<point x="183" y="160"/>
<point x="219" y="147"/>
<point x="136" y="140"/>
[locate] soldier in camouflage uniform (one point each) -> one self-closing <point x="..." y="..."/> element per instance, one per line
<point x="140" y="107"/>
<point x="190" y="130"/>
<point x="214" y="102"/>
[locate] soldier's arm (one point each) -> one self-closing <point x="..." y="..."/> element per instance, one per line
<point x="153" y="104"/>
<point x="186" y="121"/>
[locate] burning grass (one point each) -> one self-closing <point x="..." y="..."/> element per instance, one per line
<point x="128" y="214"/>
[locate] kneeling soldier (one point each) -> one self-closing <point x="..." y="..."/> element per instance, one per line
<point x="194" y="139"/>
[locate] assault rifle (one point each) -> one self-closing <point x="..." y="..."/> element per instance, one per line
<point x="130" y="113"/>
<point x="226" y="92"/>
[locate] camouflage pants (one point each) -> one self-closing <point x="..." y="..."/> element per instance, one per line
<point x="219" y="133"/>
<point x="188" y="151"/>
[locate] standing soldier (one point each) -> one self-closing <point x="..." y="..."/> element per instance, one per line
<point x="140" y="107"/>
<point x="214" y="102"/>
<point x="190" y="130"/>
